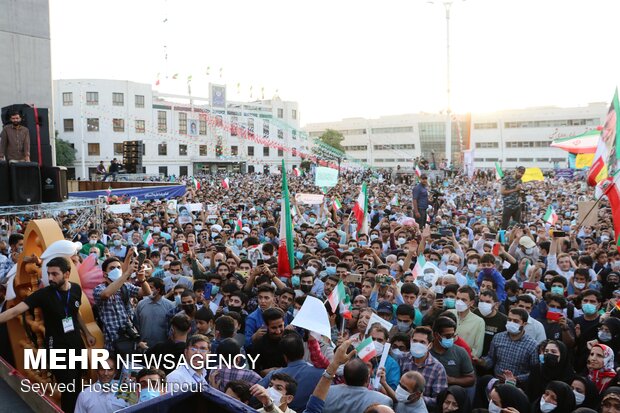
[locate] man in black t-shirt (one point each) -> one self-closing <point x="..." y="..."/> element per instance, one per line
<point x="60" y="305"/>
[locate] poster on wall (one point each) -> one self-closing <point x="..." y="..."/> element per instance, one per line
<point x="217" y="95"/>
<point x="192" y="127"/>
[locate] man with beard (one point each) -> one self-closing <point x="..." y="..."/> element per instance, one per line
<point x="60" y="304"/>
<point x="15" y="141"/>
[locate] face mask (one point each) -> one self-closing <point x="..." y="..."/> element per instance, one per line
<point x="214" y="290"/>
<point x="255" y="222"/>
<point x="512" y="327"/>
<point x="275" y="395"/>
<point x="362" y="243"/>
<point x="418" y="350"/>
<point x="493" y="408"/>
<point x="438" y="289"/>
<point x="148" y="394"/>
<point x="402" y="395"/>
<point x="512" y="299"/>
<point x="198" y="227"/>
<point x="447" y="342"/>
<point x="189" y="308"/>
<point x="378" y="347"/>
<point x="403" y="326"/>
<point x="461" y="306"/>
<point x="295" y="281"/>
<point x="462" y="225"/>
<point x="485" y="308"/>
<point x="588" y="308"/>
<point x="551" y="360"/>
<point x="177" y="300"/>
<point x="402" y="241"/>
<point x="92" y="242"/>
<point x="604" y="336"/>
<point x="541" y="358"/>
<point x="299" y="255"/>
<point x="557" y="290"/>
<point x="397" y="354"/>
<point x="115" y="274"/>
<point x="451" y="269"/>
<point x="445" y="257"/>
<point x="117" y="242"/>
<point x="472" y="268"/>
<point x="373" y="237"/>
<point x="449" y="303"/>
<point x="305" y="288"/>
<point x="330" y="270"/>
<point x="157" y="230"/>
<point x="214" y="234"/>
<point x="312" y="269"/>
<point x="266" y="257"/>
<point x="529" y="251"/>
<point x="546" y="407"/>
<point x="581" y="286"/>
<point x="239" y="242"/>
<point x="579" y="398"/>
<point x="312" y="220"/>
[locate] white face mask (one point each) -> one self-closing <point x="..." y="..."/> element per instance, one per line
<point x="402" y="395"/>
<point x="485" y="308"/>
<point x="493" y="408"/>
<point x="378" y="347"/>
<point x="546" y="407"/>
<point x="472" y="268"/>
<point x="461" y="306"/>
<point x="579" y="398"/>
<point x="512" y="327"/>
<point x="581" y="286"/>
<point x="275" y="395"/>
<point x="529" y="251"/>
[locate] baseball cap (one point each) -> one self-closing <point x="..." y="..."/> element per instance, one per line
<point x="385" y="307"/>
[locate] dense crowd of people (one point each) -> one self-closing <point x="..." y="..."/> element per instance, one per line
<point x="485" y="303"/>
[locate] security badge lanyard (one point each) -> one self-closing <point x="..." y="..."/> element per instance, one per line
<point x="67" y="322"/>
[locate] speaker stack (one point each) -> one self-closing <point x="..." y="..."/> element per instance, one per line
<point x="132" y="156"/>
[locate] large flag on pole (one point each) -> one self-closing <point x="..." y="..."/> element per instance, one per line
<point x="286" y="255"/>
<point x="550" y="216"/>
<point x="337" y="296"/>
<point x="360" y="210"/>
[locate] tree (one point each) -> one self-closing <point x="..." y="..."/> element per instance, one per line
<point x="65" y="153"/>
<point x="332" y="138"/>
<point x="305" y="165"/>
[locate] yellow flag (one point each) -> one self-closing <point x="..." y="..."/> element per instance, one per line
<point x="584" y="160"/>
<point x="532" y="174"/>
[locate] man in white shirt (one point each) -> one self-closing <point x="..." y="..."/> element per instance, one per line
<point x="191" y="375"/>
<point x="100" y="397"/>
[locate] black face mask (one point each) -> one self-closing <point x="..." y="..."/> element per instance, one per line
<point x="136" y="227"/>
<point x="305" y="288"/>
<point x="235" y="309"/>
<point x="189" y="308"/>
<point x="552" y="360"/>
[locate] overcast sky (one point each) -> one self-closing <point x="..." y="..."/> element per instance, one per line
<point x="344" y="58"/>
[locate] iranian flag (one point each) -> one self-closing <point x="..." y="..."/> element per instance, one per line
<point x="238" y="224"/>
<point x="337" y="296"/>
<point x="297" y="172"/>
<point x="419" y="266"/>
<point x="360" y="211"/>
<point x="550" y="216"/>
<point x="394" y="201"/>
<point x="196" y="183"/>
<point x="345" y="308"/>
<point x="225" y="183"/>
<point x="598" y="170"/>
<point x="366" y="350"/>
<point x="286" y="255"/>
<point x="148" y="238"/>
<point x="499" y="174"/>
<point x="337" y="205"/>
<point x="418" y="172"/>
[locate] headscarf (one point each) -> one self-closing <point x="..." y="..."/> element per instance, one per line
<point x="564" y="397"/>
<point x="512" y="396"/>
<point x="611" y="393"/>
<point x="460" y="394"/>
<point x="607" y="371"/>
<point x="613" y="324"/>
<point x="563" y="370"/>
<point x="592" y="395"/>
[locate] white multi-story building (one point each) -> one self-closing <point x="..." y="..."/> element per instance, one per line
<point x="511" y="137"/>
<point x="181" y="135"/>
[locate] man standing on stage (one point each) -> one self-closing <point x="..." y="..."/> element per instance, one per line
<point x="420" y="201"/>
<point x="15" y="140"/>
<point x="511" y="188"/>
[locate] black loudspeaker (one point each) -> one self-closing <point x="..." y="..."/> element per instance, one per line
<point x="132" y="156"/>
<point x="30" y="121"/>
<point x="54" y="184"/>
<point x="5" y="183"/>
<point x="25" y="183"/>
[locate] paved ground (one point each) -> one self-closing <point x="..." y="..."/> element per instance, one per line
<point x="10" y="402"/>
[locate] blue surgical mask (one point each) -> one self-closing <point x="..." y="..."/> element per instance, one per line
<point x="447" y="342"/>
<point x="115" y="274"/>
<point x="403" y="326"/>
<point x="295" y="281"/>
<point x="330" y="270"/>
<point x="215" y="289"/>
<point x="588" y="308"/>
<point x="449" y="303"/>
<point x="299" y="255"/>
<point x="362" y="243"/>
<point x="263" y="220"/>
<point x="541" y="358"/>
<point x="557" y="290"/>
<point x="239" y="242"/>
<point x="312" y="220"/>
<point x="148" y="394"/>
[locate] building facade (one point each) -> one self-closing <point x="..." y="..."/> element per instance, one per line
<point x="181" y="135"/>
<point x="511" y="137"/>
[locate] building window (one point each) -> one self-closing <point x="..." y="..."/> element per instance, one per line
<point x="396" y="129"/>
<point x="139" y="101"/>
<point x="552" y="123"/>
<point x="182" y="150"/>
<point x="485" y="125"/>
<point x="162" y="149"/>
<point x="234" y="124"/>
<point x="92" y="98"/>
<point x="118" y="99"/>
<point x="202" y="150"/>
<point x="266" y="128"/>
<point x="266" y="151"/>
<point x="392" y="147"/>
<point x="251" y="125"/>
<point x="234" y="150"/>
<point x="93" y="149"/>
<point x="528" y="144"/>
<point x="118" y="125"/>
<point x="118" y="149"/>
<point x="183" y="123"/>
<point x="183" y="170"/>
<point x="280" y="113"/>
<point x="487" y="145"/>
<point x="250" y="151"/>
<point x="353" y="148"/>
<point x="523" y="159"/>
<point x="92" y="124"/>
<point x="140" y="126"/>
<point x="280" y="153"/>
<point x="202" y="127"/>
<point x="162" y="121"/>
<point x="67" y="125"/>
<point x="67" y="99"/>
<point x="163" y="170"/>
<point x="294" y="114"/>
<point x="492" y="159"/>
